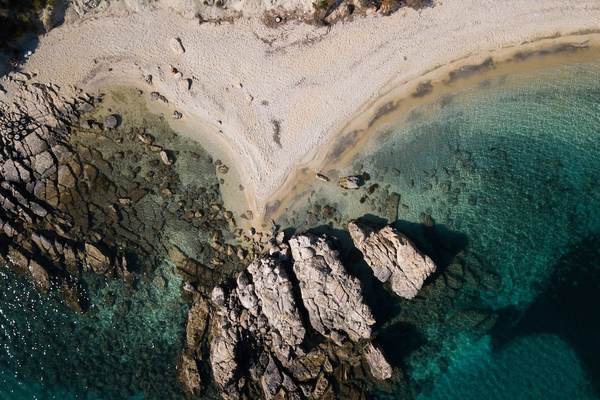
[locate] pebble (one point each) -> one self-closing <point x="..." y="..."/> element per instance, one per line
<point x="322" y="177"/>
<point x="111" y="122"/>
<point x="185" y="84"/>
<point x="166" y="158"/>
<point x="177" y="115"/>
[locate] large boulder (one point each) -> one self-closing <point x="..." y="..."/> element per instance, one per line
<point x="332" y="297"/>
<point x="274" y="289"/>
<point x="225" y="343"/>
<point x="393" y="257"/>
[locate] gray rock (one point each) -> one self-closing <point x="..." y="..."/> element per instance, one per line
<point x="42" y="162"/>
<point x="273" y="287"/>
<point x="351" y="182"/>
<point x="224" y="344"/>
<point x="378" y="365"/>
<point x="393" y="257"/>
<point x="245" y="292"/>
<point x="271" y="380"/>
<point x="35" y="144"/>
<point x="111" y="122"/>
<point x="331" y="296"/>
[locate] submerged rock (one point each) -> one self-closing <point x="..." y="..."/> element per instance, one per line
<point x="331" y="296"/>
<point x="111" y="122"/>
<point x="393" y="257"/>
<point x="351" y="182"/>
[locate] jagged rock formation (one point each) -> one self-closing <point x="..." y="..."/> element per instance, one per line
<point x="196" y="331"/>
<point x="259" y="345"/>
<point x="393" y="257"/>
<point x="259" y="314"/>
<point x="273" y="289"/>
<point x="332" y="297"/>
<point x="72" y="201"/>
<point x="378" y="365"/>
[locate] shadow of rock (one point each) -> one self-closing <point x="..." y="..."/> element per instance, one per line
<point x="21" y="23"/>
<point x="566" y="308"/>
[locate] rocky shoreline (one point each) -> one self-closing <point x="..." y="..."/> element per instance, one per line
<point x="293" y="325"/>
<point x="77" y="191"/>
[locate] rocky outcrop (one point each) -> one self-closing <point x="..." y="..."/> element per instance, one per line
<point x="378" y="365"/>
<point x="259" y="315"/>
<point x="331" y="296"/>
<point x="224" y="345"/>
<point x="274" y="291"/>
<point x="393" y="257"/>
<point x="77" y="194"/>
<point x="188" y="371"/>
<point x="259" y="346"/>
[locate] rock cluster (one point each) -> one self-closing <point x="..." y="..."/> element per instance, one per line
<point x="75" y="197"/>
<point x="265" y="327"/>
<point x="393" y="257"/>
<point x="38" y="173"/>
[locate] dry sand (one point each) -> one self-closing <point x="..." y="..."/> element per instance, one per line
<point x="270" y="100"/>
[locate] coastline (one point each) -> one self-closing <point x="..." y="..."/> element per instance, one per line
<point x="327" y="76"/>
<point x="361" y="133"/>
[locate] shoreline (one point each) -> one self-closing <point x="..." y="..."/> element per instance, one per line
<point x="363" y="131"/>
<point x="271" y="100"/>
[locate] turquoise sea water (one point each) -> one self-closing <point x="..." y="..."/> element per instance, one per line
<point x="512" y="167"/>
<point x="499" y="183"/>
<point x="124" y="347"/>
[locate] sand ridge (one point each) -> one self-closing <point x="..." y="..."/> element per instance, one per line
<point x="270" y="100"/>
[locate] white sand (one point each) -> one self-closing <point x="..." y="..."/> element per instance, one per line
<point x="311" y="80"/>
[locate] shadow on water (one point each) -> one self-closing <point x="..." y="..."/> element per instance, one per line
<point x="21" y="23"/>
<point x="567" y="308"/>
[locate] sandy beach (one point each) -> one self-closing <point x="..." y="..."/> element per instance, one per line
<point x="268" y="101"/>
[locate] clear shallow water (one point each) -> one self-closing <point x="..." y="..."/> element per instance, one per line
<point x="508" y="172"/>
